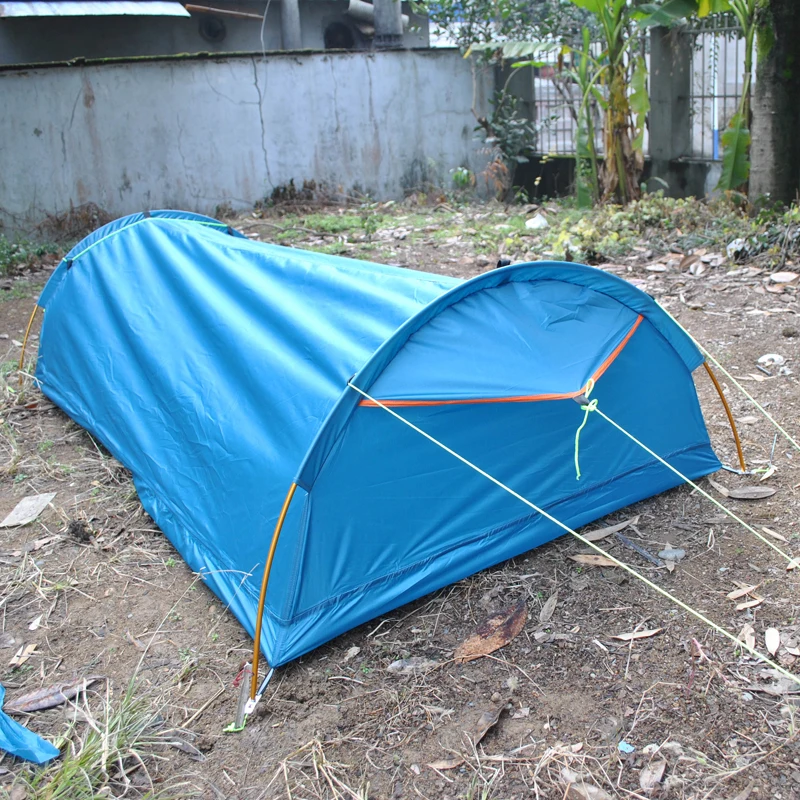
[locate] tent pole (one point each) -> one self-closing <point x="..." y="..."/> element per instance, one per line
<point x="25" y="342"/>
<point x="263" y="596"/>
<point x="729" y="413"/>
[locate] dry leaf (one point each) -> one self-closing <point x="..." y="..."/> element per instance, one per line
<point x="772" y="638"/>
<point x="756" y="601"/>
<point x="772" y="469"/>
<point x="579" y="787"/>
<point x="548" y="608"/>
<point x="35" y="623"/>
<point x="744" y="492"/>
<point x="793" y="564"/>
<point x="22" y="655"/>
<point x="487" y="719"/>
<point x="748" y="635"/>
<point x="49" y="696"/>
<point x="627" y="637"/>
<point x="593" y="560"/>
<point x="783" y="277"/>
<point x="38" y="544"/>
<point x="446" y="763"/>
<point x="719" y="487"/>
<point x="774" y="534"/>
<point x="745" y="590"/>
<point x="652" y="774"/>
<point x="494" y="633"/>
<point x="688" y="261"/>
<point x="187" y="748"/>
<point x="27" y="510"/>
<point x="752" y="493"/>
<point x="601" y="533"/>
<point x="410" y="666"/>
<point x="351" y="653"/>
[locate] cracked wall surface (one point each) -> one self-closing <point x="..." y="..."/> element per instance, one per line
<point x="193" y="134"/>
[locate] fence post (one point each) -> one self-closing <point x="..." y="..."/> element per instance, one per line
<point x="670" y="102"/>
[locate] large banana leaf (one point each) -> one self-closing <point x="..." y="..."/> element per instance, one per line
<point x="651" y="14"/>
<point x="639" y="100"/>
<point x="735" y="161"/>
<point x="538" y="53"/>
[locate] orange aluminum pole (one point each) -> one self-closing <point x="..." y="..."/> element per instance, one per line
<point x="263" y="597"/>
<point x="25" y="342"/>
<point x="728" y="412"/>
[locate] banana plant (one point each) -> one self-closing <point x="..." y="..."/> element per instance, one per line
<point x="736" y="138"/>
<point x="616" y="80"/>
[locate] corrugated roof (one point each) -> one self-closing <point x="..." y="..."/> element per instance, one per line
<point x="101" y="8"/>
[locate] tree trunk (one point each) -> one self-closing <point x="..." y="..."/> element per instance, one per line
<point x="775" y="150"/>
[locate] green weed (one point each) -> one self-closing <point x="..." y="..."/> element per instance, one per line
<point x="98" y="755"/>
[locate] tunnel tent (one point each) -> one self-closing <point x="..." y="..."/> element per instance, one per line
<point x="216" y="369"/>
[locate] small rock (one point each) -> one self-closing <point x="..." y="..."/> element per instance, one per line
<point x="747" y="697"/>
<point x="788" y="333"/>
<point x="672" y="554"/>
<point x="537" y="223"/>
<point x="482" y="261"/>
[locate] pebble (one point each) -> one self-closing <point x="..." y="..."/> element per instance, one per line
<point x="747" y="697"/>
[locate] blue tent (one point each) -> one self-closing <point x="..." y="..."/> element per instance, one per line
<point x="216" y="370"/>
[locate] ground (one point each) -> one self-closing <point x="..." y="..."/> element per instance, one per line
<point x="563" y="710"/>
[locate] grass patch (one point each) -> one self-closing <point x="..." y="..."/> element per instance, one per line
<point x="102" y="754"/>
<point x="609" y="232"/>
<point x="333" y="223"/>
<point x="20" y="253"/>
<point x="21" y="290"/>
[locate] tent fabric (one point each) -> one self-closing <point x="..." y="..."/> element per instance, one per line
<point x="216" y="368"/>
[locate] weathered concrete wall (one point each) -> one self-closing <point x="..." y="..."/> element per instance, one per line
<point x="34" y="40"/>
<point x="187" y="133"/>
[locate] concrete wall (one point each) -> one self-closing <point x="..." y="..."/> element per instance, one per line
<point x="190" y="134"/>
<point x="35" y="40"/>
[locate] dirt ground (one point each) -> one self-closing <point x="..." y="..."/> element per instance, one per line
<point x="563" y="710"/>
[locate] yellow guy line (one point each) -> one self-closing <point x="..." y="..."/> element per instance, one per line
<point x="592" y="545"/>
<point x="793" y="562"/>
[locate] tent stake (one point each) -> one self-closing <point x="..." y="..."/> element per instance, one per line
<point x="729" y="413"/>
<point x="255" y="693"/>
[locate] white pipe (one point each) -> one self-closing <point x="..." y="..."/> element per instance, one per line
<point x="365" y="12"/>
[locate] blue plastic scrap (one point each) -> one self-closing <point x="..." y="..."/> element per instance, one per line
<point x="217" y="369"/>
<point x="22" y="743"/>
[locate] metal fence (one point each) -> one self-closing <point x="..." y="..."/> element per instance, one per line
<point x="557" y="100"/>
<point x="717" y="72"/>
<point x="718" y="56"/>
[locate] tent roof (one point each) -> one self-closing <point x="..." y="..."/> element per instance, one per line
<point x="576" y="274"/>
